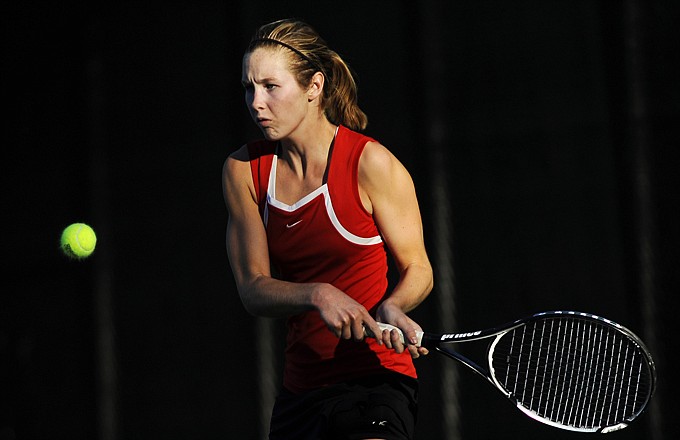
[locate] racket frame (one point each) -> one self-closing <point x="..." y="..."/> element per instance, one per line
<point x="440" y="343"/>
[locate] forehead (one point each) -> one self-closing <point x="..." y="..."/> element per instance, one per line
<point x="265" y="62"/>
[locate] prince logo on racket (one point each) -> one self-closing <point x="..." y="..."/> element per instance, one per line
<point x="459" y="335"/>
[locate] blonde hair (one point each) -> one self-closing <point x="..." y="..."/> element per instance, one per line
<point x="311" y="54"/>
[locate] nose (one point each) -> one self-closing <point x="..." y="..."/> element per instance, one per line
<point x="256" y="99"/>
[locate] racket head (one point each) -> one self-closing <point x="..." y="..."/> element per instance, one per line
<point x="573" y="370"/>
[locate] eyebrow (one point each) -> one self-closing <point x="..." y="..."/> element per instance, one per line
<point x="261" y="81"/>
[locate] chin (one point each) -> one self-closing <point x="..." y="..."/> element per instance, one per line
<point x="271" y="135"/>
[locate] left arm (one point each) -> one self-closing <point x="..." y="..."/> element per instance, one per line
<point x="387" y="191"/>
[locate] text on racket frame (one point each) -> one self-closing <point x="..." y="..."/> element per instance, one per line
<point x="459" y="335"/>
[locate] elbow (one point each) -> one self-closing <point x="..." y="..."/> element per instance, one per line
<point x="250" y="299"/>
<point x="429" y="288"/>
<point x="430" y="281"/>
<point x="250" y="306"/>
<point x="254" y="304"/>
<point x="423" y="278"/>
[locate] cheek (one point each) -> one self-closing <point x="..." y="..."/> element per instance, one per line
<point x="289" y="104"/>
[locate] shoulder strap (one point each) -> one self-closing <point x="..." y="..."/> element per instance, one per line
<point x="345" y="161"/>
<point x="261" y="156"/>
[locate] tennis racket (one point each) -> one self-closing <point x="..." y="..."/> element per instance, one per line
<point x="571" y="370"/>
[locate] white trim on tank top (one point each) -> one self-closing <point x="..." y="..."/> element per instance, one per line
<point x="322" y="190"/>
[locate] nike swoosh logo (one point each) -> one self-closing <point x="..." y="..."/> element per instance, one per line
<point x="293" y="224"/>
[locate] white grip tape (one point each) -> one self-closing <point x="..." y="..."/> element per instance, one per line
<point x="389" y="327"/>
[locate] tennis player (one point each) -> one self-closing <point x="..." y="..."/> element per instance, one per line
<point x="314" y="207"/>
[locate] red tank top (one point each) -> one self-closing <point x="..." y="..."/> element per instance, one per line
<point x="327" y="236"/>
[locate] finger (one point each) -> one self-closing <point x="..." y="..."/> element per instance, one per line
<point x="346" y="331"/>
<point x="395" y="337"/>
<point x="373" y="329"/>
<point x="411" y="336"/>
<point x="337" y="331"/>
<point x="386" y="337"/>
<point x="358" y="330"/>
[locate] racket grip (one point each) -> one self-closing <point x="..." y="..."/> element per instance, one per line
<point x="389" y="327"/>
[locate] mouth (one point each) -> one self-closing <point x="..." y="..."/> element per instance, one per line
<point x="263" y="122"/>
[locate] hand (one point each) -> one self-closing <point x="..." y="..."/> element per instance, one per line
<point x="391" y="314"/>
<point x="344" y="316"/>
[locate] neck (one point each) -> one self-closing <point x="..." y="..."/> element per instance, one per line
<point x="308" y="150"/>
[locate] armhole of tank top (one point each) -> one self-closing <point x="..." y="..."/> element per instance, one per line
<point x="256" y="170"/>
<point x="355" y="171"/>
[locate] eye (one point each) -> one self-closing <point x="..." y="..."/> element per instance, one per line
<point x="270" y="86"/>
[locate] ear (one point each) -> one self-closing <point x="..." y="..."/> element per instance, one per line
<point x="315" y="86"/>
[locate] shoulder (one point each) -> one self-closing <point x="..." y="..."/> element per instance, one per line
<point x="238" y="186"/>
<point x="236" y="162"/>
<point x="377" y="162"/>
<point x="240" y="154"/>
<point x="376" y="154"/>
<point x="380" y="172"/>
<point x="252" y="151"/>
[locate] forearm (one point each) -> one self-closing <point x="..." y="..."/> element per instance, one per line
<point x="343" y="316"/>
<point x="269" y="297"/>
<point x="261" y="293"/>
<point x="414" y="285"/>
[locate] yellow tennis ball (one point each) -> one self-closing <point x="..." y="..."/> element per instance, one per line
<point x="78" y="240"/>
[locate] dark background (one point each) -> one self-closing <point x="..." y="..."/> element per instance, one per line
<point x="553" y="125"/>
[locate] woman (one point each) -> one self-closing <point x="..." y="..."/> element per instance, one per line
<point x="317" y="202"/>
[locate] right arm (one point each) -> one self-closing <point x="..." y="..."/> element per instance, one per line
<point x="248" y="253"/>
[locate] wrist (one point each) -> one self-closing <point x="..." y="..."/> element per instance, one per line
<point x="390" y="303"/>
<point x="316" y="296"/>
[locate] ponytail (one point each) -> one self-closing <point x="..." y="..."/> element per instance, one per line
<point x="341" y="106"/>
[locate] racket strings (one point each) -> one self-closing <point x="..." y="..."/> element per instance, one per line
<point x="573" y="372"/>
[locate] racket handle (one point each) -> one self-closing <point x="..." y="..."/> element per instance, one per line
<point x="389" y="327"/>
